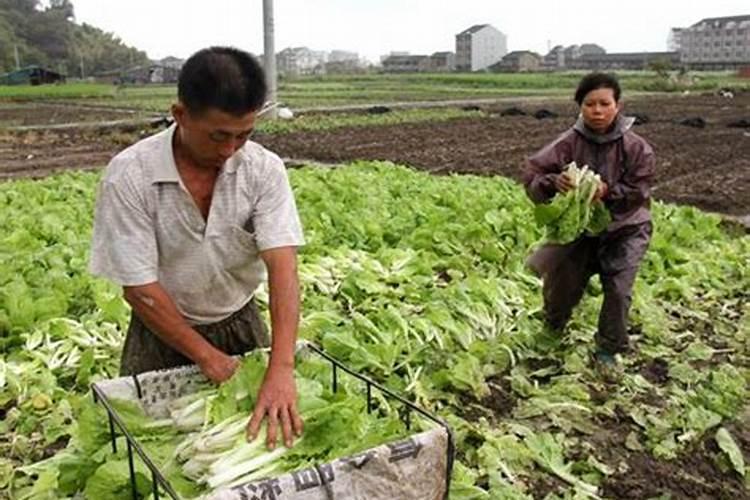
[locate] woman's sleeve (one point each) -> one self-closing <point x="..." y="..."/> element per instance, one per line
<point x="634" y="188"/>
<point x="544" y="166"/>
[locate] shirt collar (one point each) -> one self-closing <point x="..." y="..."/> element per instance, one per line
<point x="621" y="125"/>
<point x="166" y="168"/>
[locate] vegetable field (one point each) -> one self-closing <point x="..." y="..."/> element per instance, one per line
<point x="420" y="282"/>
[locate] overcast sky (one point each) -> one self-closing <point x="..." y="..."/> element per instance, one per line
<point x="376" y="27"/>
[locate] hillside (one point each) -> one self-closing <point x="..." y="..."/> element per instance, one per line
<point x="47" y="34"/>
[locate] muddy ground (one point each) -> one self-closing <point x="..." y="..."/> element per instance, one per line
<point x="19" y="114"/>
<point x="708" y="167"/>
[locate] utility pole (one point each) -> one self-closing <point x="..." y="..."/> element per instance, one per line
<point x="269" y="52"/>
<point x="18" y="59"/>
<point x="83" y="75"/>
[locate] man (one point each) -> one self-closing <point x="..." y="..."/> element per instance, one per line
<point x="189" y="220"/>
<point x="602" y="139"/>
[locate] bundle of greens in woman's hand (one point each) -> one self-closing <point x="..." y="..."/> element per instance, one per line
<point x="574" y="212"/>
<point x="217" y="454"/>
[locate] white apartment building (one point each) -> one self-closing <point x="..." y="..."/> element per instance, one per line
<point x="479" y="47"/>
<point x="716" y="43"/>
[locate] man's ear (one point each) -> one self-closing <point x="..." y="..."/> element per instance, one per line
<point x="620" y="106"/>
<point x="179" y="112"/>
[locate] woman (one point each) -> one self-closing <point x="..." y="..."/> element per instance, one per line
<point x="602" y="139"/>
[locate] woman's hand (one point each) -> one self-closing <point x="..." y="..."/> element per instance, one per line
<point x="601" y="192"/>
<point x="563" y="183"/>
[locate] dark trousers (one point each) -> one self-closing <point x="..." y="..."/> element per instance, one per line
<point x="144" y="351"/>
<point x="615" y="257"/>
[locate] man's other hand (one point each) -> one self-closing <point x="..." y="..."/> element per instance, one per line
<point x="277" y="400"/>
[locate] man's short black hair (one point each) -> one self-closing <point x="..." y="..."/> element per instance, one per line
<point x="225" y="78"/>
<point x="594" y="81"/>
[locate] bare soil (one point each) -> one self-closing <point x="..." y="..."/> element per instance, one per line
<point x="706" y="167"/>
<point x="17" y="114"/>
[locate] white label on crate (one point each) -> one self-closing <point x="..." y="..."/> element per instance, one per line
<point x="412" y="469"/>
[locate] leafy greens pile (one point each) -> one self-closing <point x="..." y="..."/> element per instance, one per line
<point x="570" y="214"/>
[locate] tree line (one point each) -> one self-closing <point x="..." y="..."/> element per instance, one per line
<point x="46" y="33"/>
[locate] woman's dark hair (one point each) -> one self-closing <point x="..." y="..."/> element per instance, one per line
<point x="224" y="78"/>
<point x="594" y="81"/>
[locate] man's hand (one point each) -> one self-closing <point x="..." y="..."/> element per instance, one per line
<point x="277" y="399"/>
<point x="157" y="310"/>
<point x="563" y="183"/>
<point x="218" y="366"/>
<point x="601" y="192"/>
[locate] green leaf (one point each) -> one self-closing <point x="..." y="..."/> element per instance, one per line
<point x="111" y="481"/>
<point x="6" y="472"/>
<point x="729" y="446"/>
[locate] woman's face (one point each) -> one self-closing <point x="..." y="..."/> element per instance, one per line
<point x="599" y="109"/>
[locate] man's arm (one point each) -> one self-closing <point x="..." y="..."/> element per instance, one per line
<point x="157" y="310"/>
<point x="277" y="397"/>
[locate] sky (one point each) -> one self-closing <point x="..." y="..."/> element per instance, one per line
<point x="376" y="27"/>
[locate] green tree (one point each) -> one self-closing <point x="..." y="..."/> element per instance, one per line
<point x="48" y="35"/>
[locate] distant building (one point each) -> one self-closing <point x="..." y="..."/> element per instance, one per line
<point x="571" y="53"/>
<point x="555" y="59"/>
<point x="296" y="61"/>
<point x="479" y="47"/>
<point x="393" y="53"/>
<point x="342" y="56"/>
<point x="406" y="64"/>
<point x="31" y="75"/>
<point x="674" y="41"/>
<point x="716" y="43"/>
<point x="151" y="73"/>
<point x="443" y="62"/>
<point x="625" y="60"/>
<point x="343" y="67"/>
<point x="518" y="61"/>
<point x="560" y="57"/>
<point x="588" y="49"/>
<point x="343" y="62"/>
<point x="438" y="62"/>
<point x="161" y="73"/>
<point x="171" y="62"/>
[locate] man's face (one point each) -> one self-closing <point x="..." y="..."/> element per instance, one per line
<point x="212" y="136"/>
<point x="599" y="109"/>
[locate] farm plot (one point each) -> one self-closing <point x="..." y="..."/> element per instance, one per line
<point x="30" y="114"/>
<point x="40" y="152"/>
<point x="406" y="281"/>
<point x="706" y="167"/>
